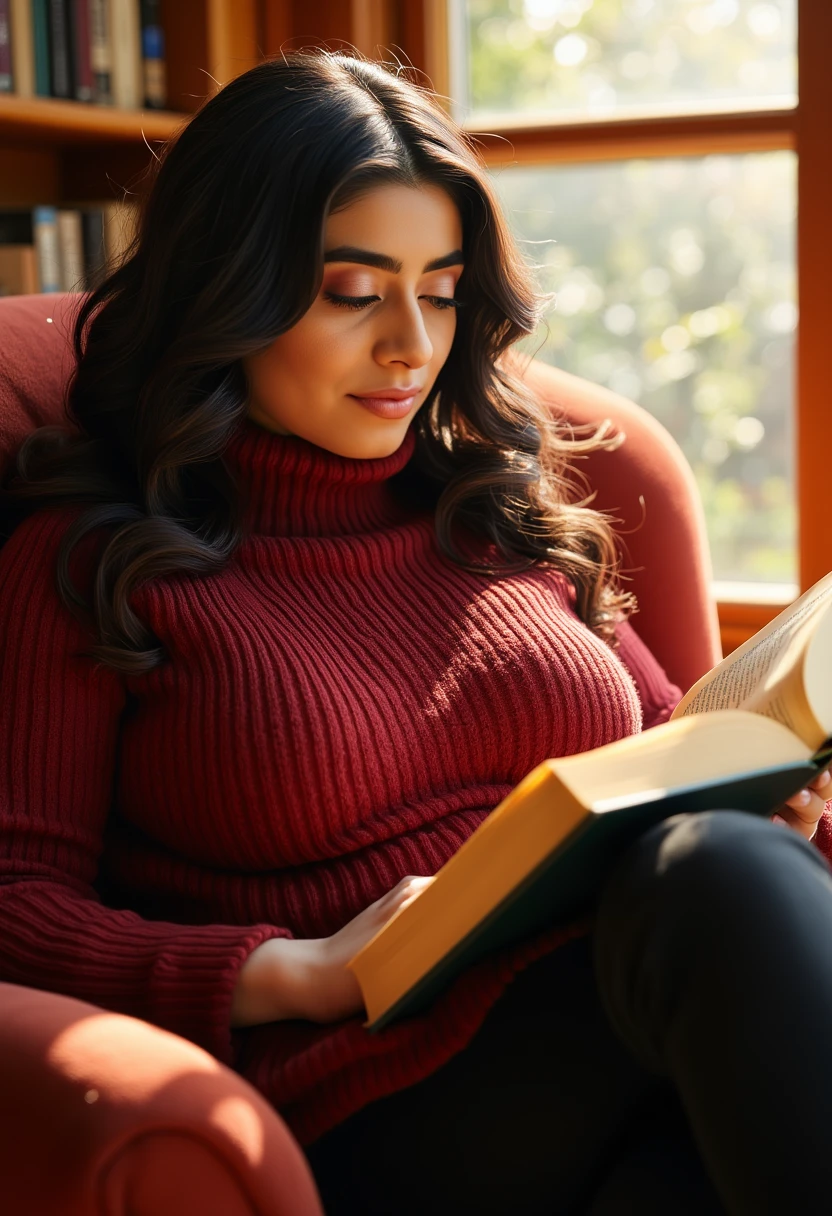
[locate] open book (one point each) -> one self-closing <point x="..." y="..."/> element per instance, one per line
<point x="748" y="735"/>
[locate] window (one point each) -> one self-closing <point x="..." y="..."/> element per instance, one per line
<point x="590" y="58"/>
<point x="674" y="286"/>
<point x="657" y="152"/>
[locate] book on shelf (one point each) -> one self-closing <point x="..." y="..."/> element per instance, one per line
<point x="154" y="74"/>
<point x="101" y="52"/>
<point x="63" y="248"/>
<point x="23" y="48"/>
<point x="45" y="226"/>
<point x="71" y="250"/>
<point x="18" y="270"/>
<point x="748" y="735"/>
<point x="126" y="43"/>
<point x="60" y="56"/>
<point x="104" y="52"/>
<point x="5" y="47"/>
<point x="95" y="250"/>
<point x="40" y="48"/>
<point x="80" y="49"/>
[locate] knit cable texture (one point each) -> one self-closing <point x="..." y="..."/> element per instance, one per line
<point x="341" y="706"/>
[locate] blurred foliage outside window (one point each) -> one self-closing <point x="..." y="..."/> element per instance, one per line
<point x="594" y="57"/>
<point x="673" y="279"/>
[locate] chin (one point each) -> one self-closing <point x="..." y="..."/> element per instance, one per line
<point x="368" y="438"/>
<point x="372" y="447"/>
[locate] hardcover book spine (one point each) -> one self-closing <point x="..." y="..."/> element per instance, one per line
<point x="71" y="250"/>
<point x="23" y="48"/>
<point x="80" y="49"/>
<point x="18" y="270"/>
<point x="6" y="82"/>
<point x="95" y="256"/>
<point x="126" y="43"/>
<point x="40" y="37"/>
<point x="60" y="59"/>
<point x="45" y="223"/>
<point x="16" y="228"/>
<point x="153" y="56"/>
<point x="101" y="52"/>
<point x="119" y="231"/>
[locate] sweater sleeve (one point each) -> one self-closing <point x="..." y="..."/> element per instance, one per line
<point x="658" y="696"/>
<point x="59" y="727"/>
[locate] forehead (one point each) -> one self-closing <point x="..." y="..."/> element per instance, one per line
<point x="406" y="221"/>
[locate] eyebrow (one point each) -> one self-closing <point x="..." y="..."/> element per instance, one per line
<point x="383" y="261"/>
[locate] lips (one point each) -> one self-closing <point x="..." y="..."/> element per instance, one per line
<point x="391" y="394"/>
<point x="387" y="406"/>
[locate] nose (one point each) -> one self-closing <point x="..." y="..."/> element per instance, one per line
<point x="404" y="337"/>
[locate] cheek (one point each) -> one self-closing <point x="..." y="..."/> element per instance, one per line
<point x="308" y="352"/>
<point x="443" y="336"/>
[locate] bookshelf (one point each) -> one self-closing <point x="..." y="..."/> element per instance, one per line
<point x="55" y="152"/>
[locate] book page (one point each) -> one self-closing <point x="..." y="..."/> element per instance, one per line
<point x="782" y="696"/>
<point x="742" y="676"/>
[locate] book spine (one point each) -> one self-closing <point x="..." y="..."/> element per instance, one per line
<point x="80" y="47"/>
<point x="60" y="60"/>
<point x="6" y="80"/>
<point x="153" y="56"/>
<point x="40" y="37"/>
<point x="71" y="250"/>
<point x="95" y="256"/>
<point x="126" y="42"/>
<point x="16" y="228"/>
<point x="45" y="222"/>
<point x="23" y="48"/>
<point x="101" y="57"/>
<point x="119" y="231"/>
<point x="18" y="270"/>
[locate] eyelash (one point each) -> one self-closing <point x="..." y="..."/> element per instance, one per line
<point x="355" y="302"/>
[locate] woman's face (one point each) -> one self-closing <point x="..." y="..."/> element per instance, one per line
<point x="395" y="334"/>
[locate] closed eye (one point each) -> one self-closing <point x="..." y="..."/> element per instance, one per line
<point x="363" y="301"/>
<point x="349" y="301"/>
<point x="445" y="301"/>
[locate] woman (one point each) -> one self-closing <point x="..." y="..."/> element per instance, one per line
<point x="300" y="604"/>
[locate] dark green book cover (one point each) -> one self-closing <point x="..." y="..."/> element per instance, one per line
<point x="566" y="884"/>
<point x="40" y="29"/>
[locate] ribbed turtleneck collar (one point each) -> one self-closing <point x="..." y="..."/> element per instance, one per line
<point x="295" y="488"/>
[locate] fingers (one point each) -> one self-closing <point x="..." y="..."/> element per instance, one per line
<point x="405" y="889"/>
<point x="819" y="788"/>
<point x="803" y="810"/>
<point x="823" y="782"/>
<point x="807" y="810"/>
<point x="789" y="819"/>
<point x="412" y="886"/>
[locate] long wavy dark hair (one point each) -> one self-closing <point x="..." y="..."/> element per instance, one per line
<point x="228" y="254"/>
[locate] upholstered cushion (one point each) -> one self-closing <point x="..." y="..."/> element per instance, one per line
<point x="103" y="1114"/>
<point x="35" y="363"/>
<point x="648" y="488"/>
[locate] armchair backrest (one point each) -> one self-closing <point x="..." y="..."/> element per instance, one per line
<point x="646" y="484"/>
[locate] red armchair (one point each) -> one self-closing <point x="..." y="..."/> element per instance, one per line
<point x="105" y="1114"/>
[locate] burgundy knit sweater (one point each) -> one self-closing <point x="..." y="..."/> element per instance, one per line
<point x="342" y="707"/>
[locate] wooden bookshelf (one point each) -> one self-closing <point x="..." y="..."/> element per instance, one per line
<point x="55" y="152"/>
<point x="42" y="120"/>
<point x="60" y="152"/>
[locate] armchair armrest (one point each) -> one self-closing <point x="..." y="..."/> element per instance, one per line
<point x="105" y="1114"/>
<point x="649" y="488"/>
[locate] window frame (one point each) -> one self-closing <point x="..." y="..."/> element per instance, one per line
<point x="801" y="129"/>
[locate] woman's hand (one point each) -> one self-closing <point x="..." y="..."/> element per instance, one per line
<point x="803" y="810"/>
<point x="308" y="978"/>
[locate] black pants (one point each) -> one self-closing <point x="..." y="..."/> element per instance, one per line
<point x="679" y="1063"/>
